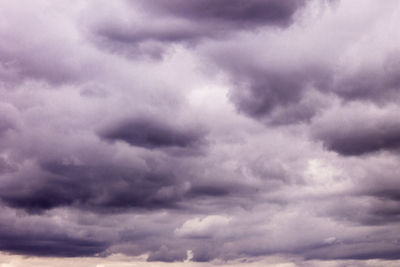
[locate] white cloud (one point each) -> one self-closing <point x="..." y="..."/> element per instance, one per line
<point x="206" y="227"/>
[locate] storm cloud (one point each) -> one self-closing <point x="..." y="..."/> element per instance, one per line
<point x="368" y="129"/>
<point x="200" y="133"/>
<point x="243" y="12"/>
<point x="187" y="22"/>
<point x="151" y="133"/>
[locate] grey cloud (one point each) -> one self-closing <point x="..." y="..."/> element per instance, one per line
<point x="154" y="133"/>
<point x="5" y="125"/>
<point x="384" y="211"/>
<point x="210" y="190"/>
<point x="167" y="254"/>
<point x="8" y="118"/>
<point x="5" y="166"/>
<point x="371" y="210"/>
<point x="264" y="94"/>
<point x="106" y="154"/>
<point x="113" y="188"/>
<point x="369" y="196"/>
<point x="387" y="192"/>
<point x="101" y="187"/>
<point x="47" y="48"/>
<point x="267" y="88"/>
<point x="188" y="22"/>
<point x="167" y="32"/>
<point x="54" y="246"/>
<point x="357" y="251"/>
<point x="272" y="83"/>
<point x="359" y="129"/>
<point x="253" y="12"/>
<point x="375" y="83"/>
<point x="42" y="236"/>
<point x="352" y="142"/>
<point x="24" y="63"/>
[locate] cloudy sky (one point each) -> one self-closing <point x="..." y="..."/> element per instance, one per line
<point x="199" y="133"/>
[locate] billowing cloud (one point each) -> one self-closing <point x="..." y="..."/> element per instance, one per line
<point x="202" y="228"/>
<point x="299" y="72"/>
<point x="186" y="21"/>
<point x="359" y="129"/>
<point x="101" y="186"/>
<point x="47" y="236"/>
<point x="200" y="132"/>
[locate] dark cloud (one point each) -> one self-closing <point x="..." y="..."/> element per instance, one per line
<point x="357" y="251"/>
<point x="384" y="211"/>
<point x="154" y="133"/>
<point x="262" y="92"/>
<point x="378" y="83"/>
<point x="269" y="89"/>
<point x="387" y="192"/>
<point x="189" y="22"/>
<point x="210" y="190"/>
<point x="239" y="13"/>
<point x="161" y="33"/>
<point x="265" y="93"/>
<point x="101" y="187"/>
<point x="166" y="254"/>
<point x="111" y="188"/>
<point x="42" y="236"/>
<point x="273" y="83"/>
<point x="222" y="150"/>
<point x="351" y="142"/>
<point x="359" y="131"/>
<point x="277" y="95"/>
<point x="50" y="246"/>
<point x="371" y="210"/>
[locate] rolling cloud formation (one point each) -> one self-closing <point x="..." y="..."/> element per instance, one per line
<point x="230" y="129"/>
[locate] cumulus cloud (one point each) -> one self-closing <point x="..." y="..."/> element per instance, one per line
<point x="202" y="228"/>
<point x="270" y="81"/>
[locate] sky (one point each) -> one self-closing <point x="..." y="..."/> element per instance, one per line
<point x="199" y="133"/>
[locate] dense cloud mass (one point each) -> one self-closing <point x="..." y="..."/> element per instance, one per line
<point x="369" y="129"/>
<point x="201" y="132"/>
<point x="188" y="22"/>
<point x="244" y="12"/>
<point x="150" y="133"/>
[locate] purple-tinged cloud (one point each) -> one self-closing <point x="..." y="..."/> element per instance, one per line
<point x="253" y="135"/>
<point x="359" y="129"/>
<point x="153" y="133"/>
<point x="187" y="22"/>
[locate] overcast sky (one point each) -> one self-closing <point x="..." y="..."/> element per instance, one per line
<point x="199" y="133"/>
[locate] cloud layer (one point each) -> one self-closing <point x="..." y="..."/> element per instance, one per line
<point x="204" y="131"/>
